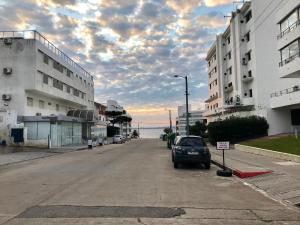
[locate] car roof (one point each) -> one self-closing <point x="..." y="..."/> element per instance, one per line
<point x="188" y="136"/>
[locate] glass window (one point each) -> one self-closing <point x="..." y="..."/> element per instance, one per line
<point x="46" y="59"/>
<point x="43" y="129"/>
<point x="31" y="130"/>
<point x="57" y="107"/>
<point x="290" y="51"/>
<point x="68" y="89"/>
<point x="29" y="101"/>
<point x="248" y="16"/>
<point x="45" y="79"/>
<point x="289" y="22"/>
<point x="41" y="104"/>
<point x="190" y="141"/>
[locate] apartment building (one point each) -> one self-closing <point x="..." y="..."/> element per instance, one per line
<point x="194" y="116"/>
<point x="286" y="98"/>
<point x="247" y="71"/>
<point x="99" y="130"/>
<point x="47" y="99"/>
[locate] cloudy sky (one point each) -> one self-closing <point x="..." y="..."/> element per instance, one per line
<point x="132" y="47"/>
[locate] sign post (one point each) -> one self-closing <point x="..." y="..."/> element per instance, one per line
<point x="224" y="145"/>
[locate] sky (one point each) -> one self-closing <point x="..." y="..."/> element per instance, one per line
<point x="131" y="47"/>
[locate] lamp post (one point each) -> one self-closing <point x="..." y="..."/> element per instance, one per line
<point x="186" y="103"/>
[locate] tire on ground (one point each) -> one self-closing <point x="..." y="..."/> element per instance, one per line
<point x="224" y="173"/>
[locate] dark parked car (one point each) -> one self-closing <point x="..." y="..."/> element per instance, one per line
<point x="190" y="149"/>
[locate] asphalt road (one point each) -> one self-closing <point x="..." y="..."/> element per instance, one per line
<point x="133" y="183"/>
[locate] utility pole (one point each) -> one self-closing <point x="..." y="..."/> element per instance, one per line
<point x="187" y="106"/>
<point x="170" y="118"/>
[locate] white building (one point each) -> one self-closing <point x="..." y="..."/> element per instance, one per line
<point x="194" y="116"/>
<point x="243" y="66"/>
<point x="39" y="87"/>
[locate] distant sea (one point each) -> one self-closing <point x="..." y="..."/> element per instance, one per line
<point x="151" y="132"/>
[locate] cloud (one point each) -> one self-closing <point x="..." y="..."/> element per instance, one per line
<point x="213" y="3"/>
<point x="132" y="47"/>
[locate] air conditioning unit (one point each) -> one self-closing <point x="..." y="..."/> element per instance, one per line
<point x="7" y="41"/>
<point x="6" y="97"/>
<point x="7" y="70"/>
<point x="38" y="114"/>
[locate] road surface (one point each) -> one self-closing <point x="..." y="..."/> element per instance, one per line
<point x="132" y="183"/>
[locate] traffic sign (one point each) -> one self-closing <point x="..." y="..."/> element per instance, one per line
<point x="223" y="145"/>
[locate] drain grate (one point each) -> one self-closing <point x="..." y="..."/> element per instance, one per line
<point x="67" y="211"/>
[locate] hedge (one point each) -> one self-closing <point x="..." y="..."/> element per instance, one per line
<point x="235" y="129"/>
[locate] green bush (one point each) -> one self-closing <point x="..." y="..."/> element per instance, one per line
<point x="235" y="129"/>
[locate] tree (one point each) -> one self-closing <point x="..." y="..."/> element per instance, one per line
<point x="198" y="129"/>
<point x="167" y="130"/>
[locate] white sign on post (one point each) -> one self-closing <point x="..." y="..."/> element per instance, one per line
<point x="224" y="145"/>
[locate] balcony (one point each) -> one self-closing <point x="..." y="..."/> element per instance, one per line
<point x="288" y="35"/>
<point x="290" y="67"/>
<point x="211" y="99"/>
<point x="247" y="79"/>
<point x="247" y="101"/>
<point x="286" y="97"/>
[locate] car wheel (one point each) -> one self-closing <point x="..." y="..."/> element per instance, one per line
<point x="207" y="166"/>
<point x="175" y="164"/>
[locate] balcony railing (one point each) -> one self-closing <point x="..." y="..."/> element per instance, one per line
<point x="33" y="34"/>
<point x="289" y="59"/>
<point x="285" y="91"/>
<point x="287" y="30"/>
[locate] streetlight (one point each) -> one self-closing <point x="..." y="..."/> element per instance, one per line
<point x="186" y="103"/>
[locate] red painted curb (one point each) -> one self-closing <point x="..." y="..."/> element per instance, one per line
<point x="242" y="174"/>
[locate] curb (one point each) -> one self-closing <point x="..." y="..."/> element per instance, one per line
<point x="239" y="173"/>
<point x="266" y="152"/>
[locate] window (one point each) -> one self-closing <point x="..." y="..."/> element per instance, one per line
<point x="289" y="23"/>
<point x="230" y="70"/>
<point x="1" y="119"/>
<point x="248" y="16"/>
<point x="247" y="36"/>
<point x="76" y="92"/>
<point x="58" y="66"/>
<point x="82" y="95"/>
<point x="41" y="104"/>
<point x="216" y="82"/>
<point x="57" y="107"/>
<point x="46" y="59"/>
<point x="250" y="93"/>
<point x="289" y="52"/>
<point x="249" y="73"/>
<point x="68" y="89"/>
<point x="229" y="55"/>
<point x="228" y="40"/>
<point x="58" y="84"/>
<point x="29" y="101"/>
<point x="248" y="56"/>
<point x="209" y="86"/>
<point x="69" y="73"/>
<point x="215" y="69"/>
<point x="45" y="79"/>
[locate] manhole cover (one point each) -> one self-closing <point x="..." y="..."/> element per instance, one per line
<point x="60" y="211"/>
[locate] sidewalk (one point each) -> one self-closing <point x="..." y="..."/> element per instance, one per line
<point x="281" y="180"/>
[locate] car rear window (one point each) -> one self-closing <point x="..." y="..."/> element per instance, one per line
<point x="190" y="141"/>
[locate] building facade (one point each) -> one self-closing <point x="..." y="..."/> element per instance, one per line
<point x="194" y="116"/>
<point x="44" y="93"/>
<point x="247" y="72"/>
